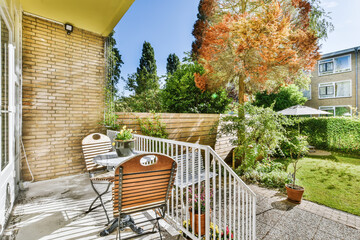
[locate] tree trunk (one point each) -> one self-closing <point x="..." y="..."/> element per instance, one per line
<point x="241" y="115"/>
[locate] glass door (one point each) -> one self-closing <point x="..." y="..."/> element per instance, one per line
<point x="7" y="120"/>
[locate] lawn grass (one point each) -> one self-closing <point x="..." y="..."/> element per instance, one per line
<point x="332" y="181"/>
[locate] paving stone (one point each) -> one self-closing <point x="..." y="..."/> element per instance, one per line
<point x="261" y="230"/>
<point x="320" y="235"/>
<point x="269" y="217"/>
<point x="339" y="230"/>
<point x="296" y="229"/>
<point x="276" y="234"/>
<point x="304" y="217"/>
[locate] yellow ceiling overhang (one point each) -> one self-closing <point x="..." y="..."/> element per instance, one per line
<point x="98" y="16"/>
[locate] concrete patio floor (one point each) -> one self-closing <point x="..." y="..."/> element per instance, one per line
<point x="55" y="209"/>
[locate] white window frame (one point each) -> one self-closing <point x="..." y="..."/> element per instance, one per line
<point x="334" y="63"/>
<point x="309" y="91"/>
<point x="334" y="108"/>
<point x="334" y="86"/>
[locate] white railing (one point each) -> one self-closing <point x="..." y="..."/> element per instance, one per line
<point x="230" y="205"/>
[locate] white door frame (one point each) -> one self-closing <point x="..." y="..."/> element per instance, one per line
<point x="7" y="175"/>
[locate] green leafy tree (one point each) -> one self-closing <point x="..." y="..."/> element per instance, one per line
<point x="145" y="77"/>
<point x="180" y="94"/>
<point x="114" y="63"/>
<point x="265" y="132"/>
<point x="286" y="97"/>
<point x="147" y="101"/>
<point x="172" y="64"/>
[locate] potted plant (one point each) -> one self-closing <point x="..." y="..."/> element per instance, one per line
<point x="110" y="121"/>
<point x="199" y="208"/>
<point x="297" y="147"/>
<point x="124" y="142"/>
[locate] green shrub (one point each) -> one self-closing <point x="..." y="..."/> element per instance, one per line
<point x="268" y="173"/>
<point x="333" y="133"/>
<point x="153" y="127"/>
<point x="180" y="94"/>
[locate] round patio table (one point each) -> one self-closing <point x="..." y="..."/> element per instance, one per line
<point x="111" y="159"/>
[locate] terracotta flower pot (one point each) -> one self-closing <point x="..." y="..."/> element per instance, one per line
<point x="196" y="223"/>
<point x="294" y="194"/>
<point x="124" y="148"/>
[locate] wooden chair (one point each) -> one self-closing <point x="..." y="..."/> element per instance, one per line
<point x="92" y="145"/>
<point x="142" y="183"/>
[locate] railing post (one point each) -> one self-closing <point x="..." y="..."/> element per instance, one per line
<point x="207" y="193"/>
<point x="254" y="218"/>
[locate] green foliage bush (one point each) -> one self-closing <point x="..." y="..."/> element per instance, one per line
<point x="268" y="173"/>
<point x="180" y="95"/>
<point x="333" y="133"/>
<point x="295" y="145"/>
<point x="264" y="131"/>
<point x="146" y="101"/>
<point x="286" y="97"/>
<point x="153" y="127"/>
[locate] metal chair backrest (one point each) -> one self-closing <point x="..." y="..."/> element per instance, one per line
<point x="92" y="145"/>
<point x="143" y="182"/>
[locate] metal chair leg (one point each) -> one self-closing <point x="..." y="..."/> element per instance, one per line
<point x="118" y="234"/>
<point x="99" y="196"/>
<point x="159" y="228"/>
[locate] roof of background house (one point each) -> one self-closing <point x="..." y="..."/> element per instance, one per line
<point x="340" y="52"/>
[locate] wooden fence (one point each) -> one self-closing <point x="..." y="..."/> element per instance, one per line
<point x="187" y="127"/>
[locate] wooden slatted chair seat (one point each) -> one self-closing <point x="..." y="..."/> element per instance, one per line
<point x="138" y="187"/>
<point x="142" y="183"/>
<point x="106" y="176"/>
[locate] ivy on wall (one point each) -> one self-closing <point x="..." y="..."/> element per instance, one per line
<point x="337" y="134"/>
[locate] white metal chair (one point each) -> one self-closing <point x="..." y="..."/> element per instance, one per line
<point x="92" y="145"/>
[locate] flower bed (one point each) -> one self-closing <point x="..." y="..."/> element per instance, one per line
<point x="214" y="229"/>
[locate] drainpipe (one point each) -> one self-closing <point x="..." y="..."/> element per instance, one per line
<point x="356" y="81"/>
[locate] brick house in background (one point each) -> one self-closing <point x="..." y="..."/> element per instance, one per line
<point x="335" y="84"/>
<point x="52" y="79"/>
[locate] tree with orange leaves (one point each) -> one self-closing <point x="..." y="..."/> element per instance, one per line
<point x="260" y="45"/>
<point x="206" y="10"/>
<point x="271" y="45"/>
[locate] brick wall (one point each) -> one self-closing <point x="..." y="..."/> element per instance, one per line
<point x="62" y="96"/>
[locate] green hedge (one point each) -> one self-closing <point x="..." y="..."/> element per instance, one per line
<point x="333" y="133"/>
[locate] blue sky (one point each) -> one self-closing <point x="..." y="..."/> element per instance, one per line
<point x="167" y="25"/>
<point x="346" y="18"/>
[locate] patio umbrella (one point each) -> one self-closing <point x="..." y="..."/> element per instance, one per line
<point x="299" y="110"/>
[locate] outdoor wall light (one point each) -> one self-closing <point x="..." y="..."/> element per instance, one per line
<point x="69" y="28"/>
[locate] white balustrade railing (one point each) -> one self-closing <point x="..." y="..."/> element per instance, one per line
<point x="229" y="204"/>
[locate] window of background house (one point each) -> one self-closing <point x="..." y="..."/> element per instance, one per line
<point x="342" y="64"/>
<point x="328" y="109"/>
<point x="335" y="65"/>
<point x="326" y="66"/>
<point x="326" y="90"/>
<point x="343" y="89"/>
<point x="337" y="110"/>
<point x="307" y="93"/>
<point x="335" y="89"/>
